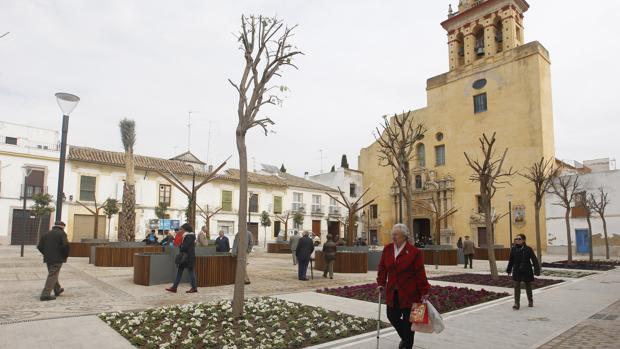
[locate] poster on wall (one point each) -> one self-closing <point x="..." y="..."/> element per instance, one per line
<point x="518" y="214"/>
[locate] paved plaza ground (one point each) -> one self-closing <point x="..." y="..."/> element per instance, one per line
<point x="580" y="313"/>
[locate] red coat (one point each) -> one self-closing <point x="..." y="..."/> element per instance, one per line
<point x="407" y="272"/>
<point x="178" y="239"/>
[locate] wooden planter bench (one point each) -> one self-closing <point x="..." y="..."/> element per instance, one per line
<point x="120" y="256"/>
<point x="501" y="253"/>
<point x="275" y="247"/>
<point x="346" y="262"/>
<point x="159" y="268"/>
<point x="443" y="256"/>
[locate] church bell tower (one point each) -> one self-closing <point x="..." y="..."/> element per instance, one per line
<point x="483" y="28"/>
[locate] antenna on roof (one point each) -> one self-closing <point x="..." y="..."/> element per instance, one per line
<point x="189" y="128"/>
<point x="208" y="143"/>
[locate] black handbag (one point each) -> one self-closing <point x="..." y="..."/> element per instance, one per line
<point x="181" y="258"/>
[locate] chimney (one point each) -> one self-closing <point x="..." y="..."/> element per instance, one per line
<point x="306" y="175"/>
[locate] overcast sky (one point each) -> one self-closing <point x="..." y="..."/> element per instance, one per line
<point x="154" y="61"/>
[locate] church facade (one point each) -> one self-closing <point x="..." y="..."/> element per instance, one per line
<point x="496" y="83"/>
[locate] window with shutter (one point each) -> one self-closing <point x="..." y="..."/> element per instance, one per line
<point x="277" y="204"/>
<point x="226" y="200"/>
<point x="88" y="185"/>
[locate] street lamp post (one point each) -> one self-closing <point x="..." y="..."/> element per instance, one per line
<point x="67" y="102"/>
<point x="510" y="218"/>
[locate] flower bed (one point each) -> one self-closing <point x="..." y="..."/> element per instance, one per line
<point x="444" y="298"/>
<point x="485" y="279"/>
<point x="566" y="273"/>
<point x="583" y="264"/>
<point x="268" y="323"/>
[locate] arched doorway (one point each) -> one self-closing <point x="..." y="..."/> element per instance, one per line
<point x="422" y="228"/>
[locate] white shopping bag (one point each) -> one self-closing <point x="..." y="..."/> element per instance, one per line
<point x="435" y="321"/>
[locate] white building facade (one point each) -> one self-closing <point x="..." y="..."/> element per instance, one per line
<point x="590" y="183"/>
<point x="28" y="165"/>
<point x="350" y="181"/>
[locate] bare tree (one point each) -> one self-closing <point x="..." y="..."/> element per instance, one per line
<point x="191" y="192"/>
<point x="352" y="208"/>
<point x="127" y="224"/>
<point x="490" y="174"/>
<point x="588" y="207"/>
<point x="397" y="138"/>
<point x="439" y="216"/>
<point x="284" y="218"/>
<point x="95" y="213"/>
<point x="266" y="49"/>
<point x="599" y="204"/>
<point x="540" y="174"/>
<point x="565" y="188"/>
<point x="207" y="215"/>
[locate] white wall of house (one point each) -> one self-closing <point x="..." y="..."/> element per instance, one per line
<point x="344" y="178"/>
<point x="591" y="182"/>
<point x="35" y="149"/>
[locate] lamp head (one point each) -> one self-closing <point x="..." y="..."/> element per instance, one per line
<point x="67" y="102"/>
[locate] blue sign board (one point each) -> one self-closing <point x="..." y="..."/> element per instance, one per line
<point x="169" y="224"/>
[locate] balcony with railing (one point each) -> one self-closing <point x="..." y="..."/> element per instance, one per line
<point x="31" y="191"/>
<point x="317" y="210"/>
<point x="334" y="211"/>
<point x="298" y="207"/>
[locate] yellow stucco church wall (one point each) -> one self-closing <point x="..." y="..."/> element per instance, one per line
<point x="518" y="88"/>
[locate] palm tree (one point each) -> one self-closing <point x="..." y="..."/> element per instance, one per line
<point x="127" y="227"/>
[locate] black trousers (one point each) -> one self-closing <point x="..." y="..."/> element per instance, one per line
<point x="469" y="258"/>
<point x="399" y="318"/>
<point x="528" y="291"/>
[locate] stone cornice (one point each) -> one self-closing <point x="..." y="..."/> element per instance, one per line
<point x="478" y="12"/>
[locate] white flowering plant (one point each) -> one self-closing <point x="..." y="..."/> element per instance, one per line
<point x="267" y="323"/>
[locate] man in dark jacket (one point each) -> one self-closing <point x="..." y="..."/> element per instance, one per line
<point x="55" y="249"/>
<point x="221" y="243"/>
<point x="329" y="254"/>
<point x="303" y="252"/>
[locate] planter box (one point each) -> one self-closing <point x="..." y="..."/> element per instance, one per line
<point x="438" y="255"/>
<point x="346" y="262"/>
<point x="82" y="249"/>
<point x="158" y="268"/>
<point x="374" y="257"/>
<point x="120" y="255"/>
<point x="278" y="247"/>
<point x="501" y="253"/>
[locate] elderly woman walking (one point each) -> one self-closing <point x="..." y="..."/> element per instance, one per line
<point x="522" y="260"/>
<point x="401" y="273"/>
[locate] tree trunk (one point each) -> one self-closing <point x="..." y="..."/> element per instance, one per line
<point x="590" y="248"/>
<point x="409" y="205"/>
<point x="350" y="229"/>
<point x="491" y="243"/>
<point x="605" y="234"/>
<point x="96" y="229"/>
<point x="41" y="221"/>
<point x="569" y="240"/>
<point x="538" y="239"/>
<point x="238" y="295"/>
<point x="286" y="230"/>
<point x="126" y="231"/>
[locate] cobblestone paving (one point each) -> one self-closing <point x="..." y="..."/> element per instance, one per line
<point x="600" y="331"/>
<point x="91" y="290"/>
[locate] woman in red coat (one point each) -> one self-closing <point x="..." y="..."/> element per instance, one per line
<point x="178" y="238"/>
<point x="401" y="272"/>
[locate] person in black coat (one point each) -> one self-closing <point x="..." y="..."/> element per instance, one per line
<point x="221" y="243"/>
<point x="188" y="261"/>
<point x="523" y="265"/>
<point x="55" y="249"/>
<point x="304" y="250"/>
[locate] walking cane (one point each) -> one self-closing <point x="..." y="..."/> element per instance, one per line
<point x="311" y="270"/>
<point x="379" y="318"/>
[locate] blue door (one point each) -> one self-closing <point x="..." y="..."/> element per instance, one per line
<point x="583" y="243"/>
